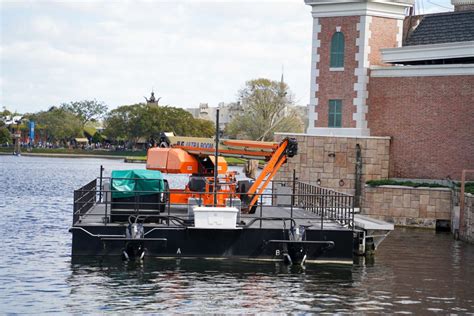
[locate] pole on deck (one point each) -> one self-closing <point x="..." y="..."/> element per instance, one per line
<point x="293" y="193"/>
<point x="100" y="182"/>
<point x="216" y="161"/>
<point x="358" y="176"/>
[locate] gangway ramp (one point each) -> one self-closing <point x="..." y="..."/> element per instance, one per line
<point x="370" y="233"/>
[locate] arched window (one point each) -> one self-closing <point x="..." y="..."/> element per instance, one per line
<point x="337" y="50"/>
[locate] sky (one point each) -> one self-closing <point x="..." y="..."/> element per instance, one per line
<point x="188" y="52"/>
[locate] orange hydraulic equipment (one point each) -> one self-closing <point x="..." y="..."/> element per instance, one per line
<point x="196" y="156"/>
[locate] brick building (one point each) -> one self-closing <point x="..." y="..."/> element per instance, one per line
<point x="377" y="72"/>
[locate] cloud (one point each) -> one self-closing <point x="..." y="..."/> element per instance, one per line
<point x="44" y="25"/>
<point x="117" y="51"/>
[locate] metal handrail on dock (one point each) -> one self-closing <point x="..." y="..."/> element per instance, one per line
<point x="335" y="205"/>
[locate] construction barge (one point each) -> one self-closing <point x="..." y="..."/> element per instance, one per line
<point x="134" y="214"/>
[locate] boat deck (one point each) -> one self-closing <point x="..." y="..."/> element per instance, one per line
<point x="101" y="227"/>
<point x="271" y="218"/>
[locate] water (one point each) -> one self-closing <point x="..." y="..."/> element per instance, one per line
<point x="414" y="271"/>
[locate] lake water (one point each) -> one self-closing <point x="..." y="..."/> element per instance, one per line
<point x="414" y="271"/>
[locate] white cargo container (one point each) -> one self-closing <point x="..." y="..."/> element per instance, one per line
<point x="215" y="217"/>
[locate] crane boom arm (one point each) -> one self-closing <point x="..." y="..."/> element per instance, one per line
<point x="247" y="149"/>
<point x="275" y="154"/>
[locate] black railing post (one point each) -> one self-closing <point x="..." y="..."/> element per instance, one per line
<point x="74" y="209"/>
<point x="291" y="210"/>
<point x="346" y="209"/>
<point x="134" y="202"/>
<point x="319" y="199"/>
<point x="322" y="213"/>
<point x="358" y="176"/>
<point x="343" y="207"/>
<point x="352" y="211"/>
<point x="100" y="182"/>
<point x="294" y="187"/>
<point x="106" y="207"/>
<point x="136" y="207"/>
<point x="168" y="202"/>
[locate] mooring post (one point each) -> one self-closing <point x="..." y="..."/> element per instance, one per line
<point x="358" y="176"/>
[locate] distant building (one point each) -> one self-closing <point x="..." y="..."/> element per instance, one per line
<point x="303" y="114"/>
<point x="227" y="112"/>
<point x="152" y="100"/>
<point x="12" y="120"/>
<point x="377" y="72"/>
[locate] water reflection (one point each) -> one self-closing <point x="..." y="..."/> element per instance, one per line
<point x="420" y="271"/>
<point x="194" y="285"/>
<point x="414" y="271"/>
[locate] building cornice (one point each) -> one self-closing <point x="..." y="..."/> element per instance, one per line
<point x="458" y="2"/>
<point x="428" y="52"/>
<point x="337" y="131"/>
<point x="356" y="8"/>
<point x="399" y="2"/>
<point x="423" y="71"/>
<point x="321" y="133"/>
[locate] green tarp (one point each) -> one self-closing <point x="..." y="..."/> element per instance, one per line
<point x="126" y="183"/>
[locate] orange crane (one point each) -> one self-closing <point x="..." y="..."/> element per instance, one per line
<point x="196" y="156"/>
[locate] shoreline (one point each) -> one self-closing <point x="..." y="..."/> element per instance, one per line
<point x="60" y="155"/>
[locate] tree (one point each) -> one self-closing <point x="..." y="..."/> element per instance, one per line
<point x="86" y="110"/>
<point x="181" y="122"/>
<point x="58" y="124"/>
<point x="132" y="122"/>
<point x="97" y="138"/>
<point x="5" y="112"/>
<point x="5" y="135"/>
<point x="204" y="128"/>
<point x="267" y="108"/>
<point x="118" y="123"/>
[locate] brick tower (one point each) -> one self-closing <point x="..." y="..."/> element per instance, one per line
<point x="347" y="37"/>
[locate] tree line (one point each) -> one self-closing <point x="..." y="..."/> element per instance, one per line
<point x="266" y="108"/>
<point x="133" y="122"/>
<point x="127" y="124"/>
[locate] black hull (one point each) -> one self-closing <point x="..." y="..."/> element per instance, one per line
<point x="246" y="243"/>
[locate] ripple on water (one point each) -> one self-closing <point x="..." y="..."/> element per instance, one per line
<point x="414" y="271"/>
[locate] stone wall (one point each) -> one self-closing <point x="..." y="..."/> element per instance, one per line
<point x="466" y="231"/>
<point x="332" y="159"/>
<point x="407" y="206"/>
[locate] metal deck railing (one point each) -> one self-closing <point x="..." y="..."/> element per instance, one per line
<point x="326" y="203"/>
<point x="84" y="199"/>
<point x="319" y="204"/>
